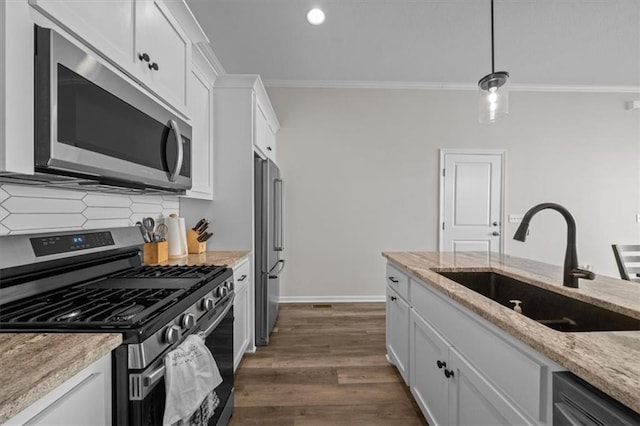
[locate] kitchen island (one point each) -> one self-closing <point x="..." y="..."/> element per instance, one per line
<point x="609" y="360"/>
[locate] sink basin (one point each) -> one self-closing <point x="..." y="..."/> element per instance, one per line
<point x="554" y="310"/>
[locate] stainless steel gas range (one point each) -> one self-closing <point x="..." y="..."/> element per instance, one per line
<point x="94" y="281"/>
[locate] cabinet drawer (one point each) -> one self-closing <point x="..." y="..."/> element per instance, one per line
<point x="242" y="273"/>
<point x="508" y="365"/>
<point x="398" y="281"/>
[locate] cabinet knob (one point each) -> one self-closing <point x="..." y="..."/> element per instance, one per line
<point x="144" y="57"/>
<point x="268" y="148"/>
<point x="154" y="66"/>
<point x="393" y="298"/>
<point x="242" y="278"/>
<point x="495" y="233"/>
<point x="441" y="364"/>
<point x="448" y="373"/>
<point x="393" y="280"/>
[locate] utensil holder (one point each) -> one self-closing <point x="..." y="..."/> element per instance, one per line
<point x="193" y="245"/>
<point x="155" y="252"/>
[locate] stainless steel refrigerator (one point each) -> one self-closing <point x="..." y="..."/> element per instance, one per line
<point x="269" y="244"/>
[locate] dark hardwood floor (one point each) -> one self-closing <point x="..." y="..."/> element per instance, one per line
<point x="324" y="366"/>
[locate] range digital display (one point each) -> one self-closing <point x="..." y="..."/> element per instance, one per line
<point x="45" y="246"/>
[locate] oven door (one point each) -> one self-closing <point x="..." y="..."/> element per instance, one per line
<point x="90" y="122"/>
<point x="148" y="410"/>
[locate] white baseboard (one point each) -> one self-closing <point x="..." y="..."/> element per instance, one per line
<point x="330" y="299"/>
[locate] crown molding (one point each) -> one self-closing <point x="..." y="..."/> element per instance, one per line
<point x="402" y="85"/>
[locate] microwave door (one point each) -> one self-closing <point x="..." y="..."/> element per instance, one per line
<point x="93" y="122"/>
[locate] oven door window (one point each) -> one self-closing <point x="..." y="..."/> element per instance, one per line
<point x="93" y="119"/>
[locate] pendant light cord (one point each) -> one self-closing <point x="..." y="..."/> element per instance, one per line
<point x="493" y="68"/>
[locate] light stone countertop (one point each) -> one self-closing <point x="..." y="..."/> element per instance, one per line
<point x="229" y="258"/>
<point x="608" y="360"/>
<point x="34" y="364"/>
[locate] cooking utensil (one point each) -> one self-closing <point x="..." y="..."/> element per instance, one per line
<point x="143" y="231"/>
<point x="204" y="237"/>
<point x="161" y="232"/>
<point x="200" y="229"/>
<point x="149" y="225"/>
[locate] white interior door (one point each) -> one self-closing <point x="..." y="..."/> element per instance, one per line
<point x="471" y="201"/>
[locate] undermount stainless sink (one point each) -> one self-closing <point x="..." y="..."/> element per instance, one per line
<point x="554" y="310"/>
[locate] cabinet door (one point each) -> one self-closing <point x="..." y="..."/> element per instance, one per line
<point x="271" y="144"/>
<point x="428" y="382"/>
<point x="474" y="401"/>
<point x="201" y="112"/>
<point x="260" y="129"/>
<point x="106" y="25"/>
<point x="398" y="332"/>
<point x="83" y="400"/>
<point x="241" y="323"/>
<point x="160" y="36"/>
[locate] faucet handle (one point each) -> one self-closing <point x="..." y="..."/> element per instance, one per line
<point x="583" y="273"/>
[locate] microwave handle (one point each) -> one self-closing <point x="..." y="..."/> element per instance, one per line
<point x="176" y="130"/>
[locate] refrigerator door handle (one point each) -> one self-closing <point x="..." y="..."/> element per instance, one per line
<point x="278" y="238"/>
<point x="273" y="275"/>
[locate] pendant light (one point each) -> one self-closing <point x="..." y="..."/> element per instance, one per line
<point x="493" y="93"/>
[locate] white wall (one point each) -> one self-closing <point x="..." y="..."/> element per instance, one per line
<point x="361" y="172"/>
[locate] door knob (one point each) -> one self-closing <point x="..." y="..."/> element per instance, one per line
<point x="495" y="233"/>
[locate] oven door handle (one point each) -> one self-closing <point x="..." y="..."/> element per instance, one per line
<point x="152" y="378"/>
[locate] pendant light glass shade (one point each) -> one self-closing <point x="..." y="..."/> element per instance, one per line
<point x="493" y="97"/>
<point x="493" y="91"/>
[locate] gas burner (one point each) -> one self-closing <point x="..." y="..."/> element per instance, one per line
<point x="127" y="313"/>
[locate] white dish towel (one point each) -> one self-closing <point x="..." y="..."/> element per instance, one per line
<point x="191" y="374"/>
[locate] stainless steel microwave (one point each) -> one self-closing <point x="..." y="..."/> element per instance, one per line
<point x="95" y="127"/>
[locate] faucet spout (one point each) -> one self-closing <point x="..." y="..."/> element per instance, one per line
<point x="571" y="271"/>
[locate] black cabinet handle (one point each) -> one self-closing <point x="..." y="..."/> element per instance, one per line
<point x="448" y="373"/>
<point x="441" y="364"/>
<point x="154" y="66"/>
<point x="242" y="278"/>
<point x="144" y="57"/>
<point x="393" y="298"/>
<point x="393" y="280"/>
<point x="268" y="148"/>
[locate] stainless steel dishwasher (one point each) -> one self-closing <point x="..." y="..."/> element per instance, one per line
<point x="577" y="403"/>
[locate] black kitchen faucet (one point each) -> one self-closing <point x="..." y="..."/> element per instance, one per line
<point x="571" y="271"/>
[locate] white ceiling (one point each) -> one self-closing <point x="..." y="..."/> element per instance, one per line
<point x="541" y="43"/>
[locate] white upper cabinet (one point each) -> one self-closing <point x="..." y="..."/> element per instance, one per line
<point x="169" y="50"/>
<point x="106" y="25"/>
<point x="200" y="108"/>
<point x="140" y="37"/>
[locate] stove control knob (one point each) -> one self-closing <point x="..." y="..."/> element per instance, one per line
<point x="188" y="321"/>
<point x="208" y="304"/>
<point x="221" y="291"/>
<point x="230" y="285"/>
<point x="172" y="334"/>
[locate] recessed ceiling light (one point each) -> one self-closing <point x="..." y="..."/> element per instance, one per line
<point x="315" y="16"/>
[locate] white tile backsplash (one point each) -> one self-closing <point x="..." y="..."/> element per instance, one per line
<point x="38" y="205"/>
<point x="26" y="209"/>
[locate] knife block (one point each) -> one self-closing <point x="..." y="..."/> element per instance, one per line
<point x="193" y="245"/>
<point x="155" y="252"/>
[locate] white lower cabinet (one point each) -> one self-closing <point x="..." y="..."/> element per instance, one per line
<point x="427" y="382"/>
<point x="242" y="312"/>
<point x="463" y="370"/>
<point x="448" y="388"/>
<point x="398" y="332"/>
<point x="83" y="400"/>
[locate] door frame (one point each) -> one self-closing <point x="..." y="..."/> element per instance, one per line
<point x="503" y="183"/>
